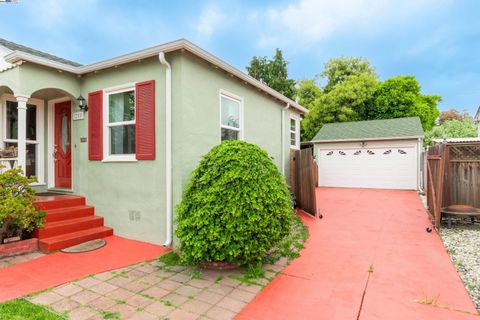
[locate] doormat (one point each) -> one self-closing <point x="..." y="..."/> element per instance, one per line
<point x="86" y="246"/>
<point x="49" y="194"/>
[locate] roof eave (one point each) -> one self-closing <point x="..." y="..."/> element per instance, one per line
<point x="367" y="139"/>
<point x="16" y="56"/>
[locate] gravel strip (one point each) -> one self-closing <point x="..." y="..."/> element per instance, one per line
<point x="462" y="242"/>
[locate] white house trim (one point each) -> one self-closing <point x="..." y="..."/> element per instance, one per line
<point x="40" y="168"/>
<point x="233" y="97"/>
<point x="181" y="44"/>
<point x="297" y="132"/>
<point x="107" y="157"/>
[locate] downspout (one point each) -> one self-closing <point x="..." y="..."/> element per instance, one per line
<point x="283" y="137"/>
<point x="168" y="149"/>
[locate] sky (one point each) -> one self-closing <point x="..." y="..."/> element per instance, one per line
<point x="437" y="41"/>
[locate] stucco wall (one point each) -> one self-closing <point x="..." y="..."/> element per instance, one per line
<point x="196" y="120"/>
<point x="124" y="189"/>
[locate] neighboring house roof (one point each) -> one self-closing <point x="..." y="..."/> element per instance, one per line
<point x="476" y="119"/>
<point x="400" y="128"/>
<point x="22" y="53"/>
<point x="18" y="47"/>
<point x="457" y="140"/>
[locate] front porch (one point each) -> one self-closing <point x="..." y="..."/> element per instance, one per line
<point x="35" y="134"/>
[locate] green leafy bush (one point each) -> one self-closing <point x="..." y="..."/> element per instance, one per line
<point x="235" y="208"/>
<point x="17" y="213"/>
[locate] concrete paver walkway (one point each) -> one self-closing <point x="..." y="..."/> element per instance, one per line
<point x="368" y="258"/>
<point x="58" y="268"/>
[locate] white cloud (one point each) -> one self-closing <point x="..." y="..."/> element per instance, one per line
<point x="311" y="21"/>
<point x="210" y="19"/>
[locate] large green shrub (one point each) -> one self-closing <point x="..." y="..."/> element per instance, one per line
<point x="17" y="213"/>
<point x="235" y="208"/>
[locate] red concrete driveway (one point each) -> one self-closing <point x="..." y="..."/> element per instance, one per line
<point x="368" y="258"/>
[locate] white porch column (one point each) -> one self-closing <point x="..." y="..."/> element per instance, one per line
<point x="22" y="131"/>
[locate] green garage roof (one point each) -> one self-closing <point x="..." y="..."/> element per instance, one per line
<point x="370" y="130"/>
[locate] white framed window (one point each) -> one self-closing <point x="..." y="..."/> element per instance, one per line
<point x="294" y="132"/>
<point x="231" y="116"/>
<point x="34" y="165"/>
<point x="119" y="110"/>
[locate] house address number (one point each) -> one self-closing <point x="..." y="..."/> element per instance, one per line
<point x="78" y="116"/>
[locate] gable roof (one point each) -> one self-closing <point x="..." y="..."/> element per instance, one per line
<point x="18" y="47"/>
<point x="388" y="129"/>
<point x="24" y="54"/>
<point x="477" y="116"/>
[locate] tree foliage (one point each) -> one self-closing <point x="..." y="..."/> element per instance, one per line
<point x="452" y="129"/>
<point x="452" y="114"/>
<point x="351" y="85"/>
<point x="235" y="208"/>
<point x="17" y="213"/>
<point x="307" y="92"/>
<point x="273" y="72"/>
<point x="400" y="97"/>
<point x="353" y="93"/>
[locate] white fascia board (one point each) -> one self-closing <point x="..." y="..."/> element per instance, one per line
<point x="367" y="139"/>
<point x="151" y="52"/>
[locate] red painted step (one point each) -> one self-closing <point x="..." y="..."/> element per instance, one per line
<point x="51" y="229"/>
<point x="73" y="238"/>
<point x="60" y="201"/>
<point x="53" y="215"/>
<point x="68" y="222"/>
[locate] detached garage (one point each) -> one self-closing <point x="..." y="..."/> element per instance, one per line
<point x="381" y="154"/>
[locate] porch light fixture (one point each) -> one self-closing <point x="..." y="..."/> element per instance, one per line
<point x="82" y="103"/>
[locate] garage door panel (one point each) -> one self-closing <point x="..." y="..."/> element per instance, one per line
<point x="390" y="168"/>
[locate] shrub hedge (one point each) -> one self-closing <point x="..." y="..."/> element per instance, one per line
<point x="235" y="208"/>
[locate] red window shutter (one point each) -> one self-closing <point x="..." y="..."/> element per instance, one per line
<point x="145" y="120"/>
<point x="95" y="125"/>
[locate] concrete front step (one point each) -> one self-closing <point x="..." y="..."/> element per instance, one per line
<point x="68" y="222"/>
<point x="53" y="215"/>
<point x="73" y="238"/>
<point x="52" y="229"/>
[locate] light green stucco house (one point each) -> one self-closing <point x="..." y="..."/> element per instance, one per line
<point x="151" y="115"/>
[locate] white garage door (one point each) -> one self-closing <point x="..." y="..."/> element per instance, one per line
<point x="383" y="168"/>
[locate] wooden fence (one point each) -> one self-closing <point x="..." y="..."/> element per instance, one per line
<point x="453" y="177"/>
<point x="303" y="179"/>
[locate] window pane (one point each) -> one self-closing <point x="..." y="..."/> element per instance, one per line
<point x="31" y="166"/>
<point x="12" y="120"/>
<point x="293" y="124"/>
<point x="121" y="107"/>
<point x="31" y="122"/>
<point x="122" y="139"/>
<point x="65" y="134"/>
<point x="230" y="113"/>
<point x="229" y="134"/>
<point x="292" y="142"/>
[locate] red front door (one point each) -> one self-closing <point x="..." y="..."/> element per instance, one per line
<point x="62" y="145"/>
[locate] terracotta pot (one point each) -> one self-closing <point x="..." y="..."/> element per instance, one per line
<point x="218" y="265"/>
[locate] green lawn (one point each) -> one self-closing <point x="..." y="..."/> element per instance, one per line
<point x="23" y="310"/>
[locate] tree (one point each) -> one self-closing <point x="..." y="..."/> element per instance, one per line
<point x="350" y="88"/>
<point x="273" y="72"/>
<point x="400" y="97"/>
<point x="338" y="70"/>
<point x="452" y="129"/>
<point x="452" y="114"/>
<point x="307" y="92"/>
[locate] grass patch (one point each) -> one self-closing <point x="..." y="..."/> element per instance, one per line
<point x="109" y="314"/>
<point x="167" y="303"/>
<point x="20" y="309"/>
<point x="171" y="259"/>
<point x="120" y="301"/>
<point x="291" y="245"/>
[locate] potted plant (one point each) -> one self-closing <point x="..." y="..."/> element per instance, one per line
<point x="18" y="216"/>
<point x="235" y="208"/>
